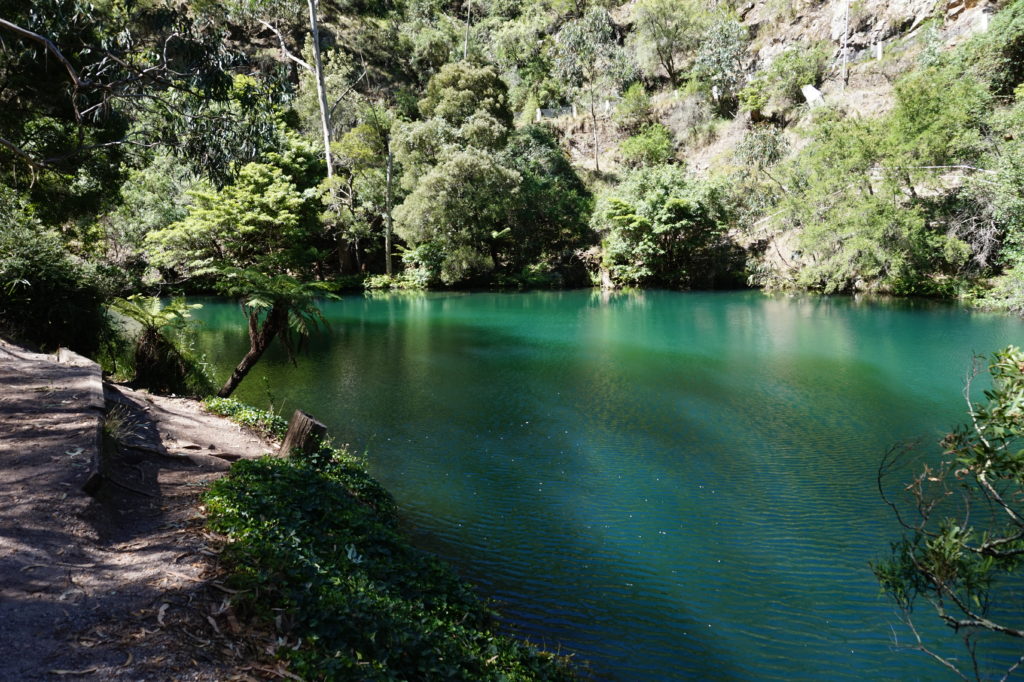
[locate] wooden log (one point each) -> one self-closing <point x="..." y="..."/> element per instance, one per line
<point x="304" y="433"/>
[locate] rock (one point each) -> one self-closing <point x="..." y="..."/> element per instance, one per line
<point x="812" y="95"/>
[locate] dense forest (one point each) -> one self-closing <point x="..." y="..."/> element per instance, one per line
<point x="283" y="152"/>
<point x="164" y="147"/>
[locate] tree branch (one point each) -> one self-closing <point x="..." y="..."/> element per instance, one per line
<point x="49" y="45"/>
<point x="284" y="49"/>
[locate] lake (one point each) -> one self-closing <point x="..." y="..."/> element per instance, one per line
<point x="668" y="485"/>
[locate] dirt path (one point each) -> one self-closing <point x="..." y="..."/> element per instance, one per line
<point x="121" y="585"/>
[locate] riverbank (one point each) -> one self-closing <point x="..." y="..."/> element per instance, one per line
<point x="130" y="583"/>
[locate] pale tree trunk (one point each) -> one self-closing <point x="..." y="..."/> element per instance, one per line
<point x="321" y="89"/>
<point x="388" y="223"/>
<point x="593" y="117"/>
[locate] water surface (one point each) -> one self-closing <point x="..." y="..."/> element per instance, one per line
<point x="672" y="486"/>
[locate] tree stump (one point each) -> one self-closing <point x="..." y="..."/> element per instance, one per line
<point x="304" y="433"/>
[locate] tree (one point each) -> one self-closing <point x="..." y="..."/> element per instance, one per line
<point x="719" y="61"/>
<point x="667" y="33"/>
<point x="74" y="77"/>
<point x="162" y="359"/>
<point x="963" y="547"/>
<point x="588" y="59"/>
<point x="461" y="206"/>
<point x="277" y="306"/>
<point x="261" y="221"/>
<point x="661" y="228"/>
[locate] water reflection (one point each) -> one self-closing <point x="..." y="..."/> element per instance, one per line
<point x="676" y="486"/>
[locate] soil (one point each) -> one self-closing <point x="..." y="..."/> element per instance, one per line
<point x="123" y="584"/>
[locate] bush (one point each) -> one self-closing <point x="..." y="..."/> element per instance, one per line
<point x="47" y="297"/>
<point x="314" y="544"/>
<point x="662" y="228"/>
<point x="652" y="146"/>
<point x="164" y="359"/>
<point x="633" y="111"/>
<point x="782" y="81"/>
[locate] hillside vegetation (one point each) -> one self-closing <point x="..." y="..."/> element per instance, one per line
<point x="508" y="143"/>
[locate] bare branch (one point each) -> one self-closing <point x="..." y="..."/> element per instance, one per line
<point x="284" y="49"/>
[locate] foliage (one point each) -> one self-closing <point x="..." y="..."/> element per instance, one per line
<point x="69" y="121"/>
<point x="668" y="32"/>
<point x="314" y="542"/>
<point x="462" y="224"/>
<point x="262" y="220"/>
<point x="964" y="543"/>
<point x="718" y="65"/>
<point x="47" y="296"/>
<point x="276" y="307"/>
<point x="152" y="198"/>
<point x="782" y="81"/>
<point x="649" y="147"/>
<point x="854" y="194"/>
<point x="461" y="91"/>
<point x="163" y="359"/>
<point x="550" y="215"/>
<point x="266" y="424"/>
<point x="633" y="111"/>
<point x="662" y="228"/>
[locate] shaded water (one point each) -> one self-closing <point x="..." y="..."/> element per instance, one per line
<point x="674" y="486"/>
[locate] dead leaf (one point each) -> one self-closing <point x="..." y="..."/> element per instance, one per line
<point x="161" y="612"/>
<point x="87" y="671"/>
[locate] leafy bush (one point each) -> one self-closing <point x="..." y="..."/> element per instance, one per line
<point x="650" y="147"/>
<point x="633" y="111"/>
<point x="163" y="358"/>
<point x="662" y="228"/>
<point x="266" y="424"/>
<point x="47" y="297"/>
<point x="782" y="81"/>
<point x="962" y="547"/>
<point x="314" y="541"/>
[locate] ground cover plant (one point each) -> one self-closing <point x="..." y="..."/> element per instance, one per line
<point x="314" y="541"/>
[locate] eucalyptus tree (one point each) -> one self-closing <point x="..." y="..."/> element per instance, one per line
<point x="76" y="75"/>
<point x="589" y="59"/>
<point x="667" y="33"/>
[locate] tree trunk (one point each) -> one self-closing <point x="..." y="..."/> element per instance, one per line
<point x="388" y="224"/>
<point x="597" y="149"/>
<point x="321" y="89"/>
<point x="260" y="337"/>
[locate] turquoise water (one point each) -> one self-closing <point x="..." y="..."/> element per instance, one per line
<point x="668" y="485"/>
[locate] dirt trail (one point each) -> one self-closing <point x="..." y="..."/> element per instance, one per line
<point x="120" y="585"/>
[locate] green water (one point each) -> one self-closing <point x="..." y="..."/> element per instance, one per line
<point x="672" y="486"/>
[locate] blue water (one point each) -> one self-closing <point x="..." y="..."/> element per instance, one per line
<point x="667" y="485"/>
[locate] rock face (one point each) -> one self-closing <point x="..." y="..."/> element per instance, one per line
<point x="864" y="24"/>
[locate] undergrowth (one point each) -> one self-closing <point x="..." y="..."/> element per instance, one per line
<point x="266" y="424"/>
<point x="314" y="542"/>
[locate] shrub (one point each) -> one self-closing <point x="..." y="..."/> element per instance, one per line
<point x="47" y="297"/>
<point x="163" y="357"/>
<point x="662" y="228"/>
<point x="782" y="81"/>
<point x="652" y="146"/>
<point x="633" y="111"/>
